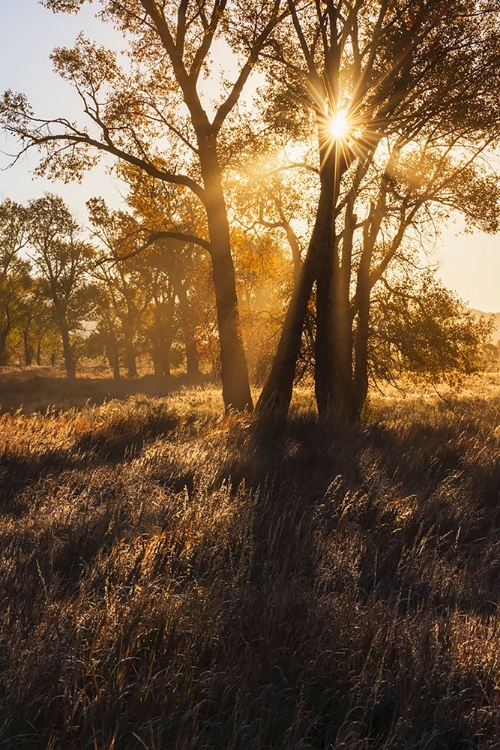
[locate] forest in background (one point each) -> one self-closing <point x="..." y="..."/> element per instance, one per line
<point x="64" y="299"/>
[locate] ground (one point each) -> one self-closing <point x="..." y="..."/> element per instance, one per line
<point x="174" y="578"/>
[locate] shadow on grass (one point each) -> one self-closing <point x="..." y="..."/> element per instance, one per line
<point x="122" y="439"/>
<point x="223" y="588"/>
<point x="30" y="392"/>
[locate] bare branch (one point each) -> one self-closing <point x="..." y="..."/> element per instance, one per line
<point x="153" y="238"/>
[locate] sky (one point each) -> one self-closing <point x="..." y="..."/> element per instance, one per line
<point x="29" y="33"/>
<point x="470" y="263"/>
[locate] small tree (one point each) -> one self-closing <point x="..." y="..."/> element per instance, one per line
<point x="105" y="338"/>
<point x="13" y="271"/>
<point x="62" y="259"/>
<point x="423" y="332"/>
<point x="35" y="324"/>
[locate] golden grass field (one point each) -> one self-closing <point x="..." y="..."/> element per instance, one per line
<point x="173" y="578"/>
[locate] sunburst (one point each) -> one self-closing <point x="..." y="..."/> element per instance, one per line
<point x="339" y="126"/>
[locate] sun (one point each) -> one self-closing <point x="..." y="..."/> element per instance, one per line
<point x="338" y="126"/>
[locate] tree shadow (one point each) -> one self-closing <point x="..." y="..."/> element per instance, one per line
<point x="32" y="393"/>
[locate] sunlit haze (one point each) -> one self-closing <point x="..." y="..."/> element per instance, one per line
<point x="470" y="264"/>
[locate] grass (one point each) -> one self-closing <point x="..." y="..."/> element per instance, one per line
<point x="172" y="579"/>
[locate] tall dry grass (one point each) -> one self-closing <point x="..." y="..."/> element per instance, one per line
<point x="174" y="579"/>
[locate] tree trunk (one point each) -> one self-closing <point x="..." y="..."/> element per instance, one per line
<point x="341" y="406"/>
<point x="112" y="355"/>
<point x="276" y="395"/>
<point x="4" y="335"/>
<point x="129" y="353"/>
<point x="130" y="360"/>
<point x="4" y="354"/>
<point x="116" y="365"/>
<point x="69" y="358"/>
<point x="192" y="359"/>
<point x="28" y="348"/>
<point x="274" y="400"/>
<point x="234" y="371"/>
<point x="362" y="298"/>
<point x="157" y="353"/>
<point x="333" y="348"/>
<point x="163" y="332"/>
<point x="360" y="382"/>
<point x="160" y="353"/>
<point x="326" y="271"/>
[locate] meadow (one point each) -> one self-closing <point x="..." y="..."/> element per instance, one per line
<point x="174" y="578"/>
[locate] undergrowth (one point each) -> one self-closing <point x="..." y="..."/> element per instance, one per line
<point x="174" y="579"/>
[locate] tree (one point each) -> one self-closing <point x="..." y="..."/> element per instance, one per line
<point x="152" y="115"/>
<point x="383" y="80"/>
<point x="119" y="281"/>
<point x="62" y="259"/>
<point x="13" y="270"/>
<point x="35" y="324"/>
<point x="169" y="263"/>
<point x="105" y="337"/>
<point x="140" y="287"/>
<point x="174" y="258"/>
<point x="421" y="331"/>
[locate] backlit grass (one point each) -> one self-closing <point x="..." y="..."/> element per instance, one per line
<point x="174" y="579"/>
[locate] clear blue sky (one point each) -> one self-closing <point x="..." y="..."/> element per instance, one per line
<point x="470" y="263"/>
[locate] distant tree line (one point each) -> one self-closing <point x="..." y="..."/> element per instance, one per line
<point x="69" y="292"/>
<point x="98" y="293"/>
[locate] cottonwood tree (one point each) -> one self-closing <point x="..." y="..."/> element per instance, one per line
<point x="105" y="337"/>
<point x="116" y="269"/>
<point x="13" y="289"/>
<point x="416" y="194"/>
<point x="422" y="332"/>
<point x="35" y="326"/>
<point x="172" y="261"/>
<point x="151" y="112"/>
<point x="13" y="270"/>
<point x="146" y="286"/>
<point x="166" y="271"/>
<point x="379" y="79"/>
<point x="62" y="259"/>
